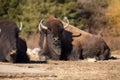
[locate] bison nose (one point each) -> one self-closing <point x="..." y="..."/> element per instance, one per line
<point x="57" y="43"/>
<point x="56" y="38"/>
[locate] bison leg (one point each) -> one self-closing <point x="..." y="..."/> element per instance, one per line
<point x="105" y="55"/>
<point x="48" y="55"/>
<point x="73" y="57"/>
<point x="42" y="57"/>
<point x="75" y="54"/>
<point x="11" y="57"/>
<point x="22" y="58"/>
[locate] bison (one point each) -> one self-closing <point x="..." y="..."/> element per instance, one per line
<point x="61" y="41"/>
<point x="12" y="47"/>
<point x="50" y="38"/>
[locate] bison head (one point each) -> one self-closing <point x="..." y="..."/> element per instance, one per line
<point x="52" y="30"/>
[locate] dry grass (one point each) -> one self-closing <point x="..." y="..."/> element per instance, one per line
<point x="113" y="13"/>
<point x="74" y="70"/>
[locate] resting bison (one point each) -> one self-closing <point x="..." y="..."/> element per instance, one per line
<point x="70" y="43"/>
<point x="12" y="47"/>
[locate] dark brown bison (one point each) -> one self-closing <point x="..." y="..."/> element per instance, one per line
<point x="70" y="43"/>
<point x="12" y="47"/>
<point x="50" y="38"/>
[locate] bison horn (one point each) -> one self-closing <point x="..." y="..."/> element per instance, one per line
<point x="65" y="18"/>
<point x="0" y="30"/>
<point x="21" y="26"/>
<point x="42" y="26"/>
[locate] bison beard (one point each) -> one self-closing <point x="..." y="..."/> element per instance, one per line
<point x="21" y="56"/>
<point x="51" y="48"/>
<point x="54" y="44"/>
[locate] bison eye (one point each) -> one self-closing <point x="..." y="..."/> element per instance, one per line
<point x="61" y="31"/>
<point x="48" y="31"/>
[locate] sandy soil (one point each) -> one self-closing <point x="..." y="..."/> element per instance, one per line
<point x="71" y="70"/>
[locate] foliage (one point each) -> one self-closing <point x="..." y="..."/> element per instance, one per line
<point x="84" y="14"/>
<point x="113" y="13"/>
<point x="30" y="12"/>
<point x="92" y="15"/>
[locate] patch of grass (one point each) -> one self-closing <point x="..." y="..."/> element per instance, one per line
<point x="116" y="52"/>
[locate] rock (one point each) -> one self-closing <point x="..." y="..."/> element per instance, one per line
<point x="15" y="71"/>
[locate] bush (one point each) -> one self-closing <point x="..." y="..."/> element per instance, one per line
<point x="88" y="15"/>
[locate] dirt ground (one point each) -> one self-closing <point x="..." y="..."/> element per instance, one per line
<point x="70" y="70"/>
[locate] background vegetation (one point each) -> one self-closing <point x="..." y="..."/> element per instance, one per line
<point x="94" y="16"/>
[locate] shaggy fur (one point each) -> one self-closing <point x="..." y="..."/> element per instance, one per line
<point x="10" y="42"/>
<point x="85" y="45"/>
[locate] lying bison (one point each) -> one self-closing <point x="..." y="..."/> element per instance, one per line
<point x="12" y="47"/>
<point x="61" y="41"/>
